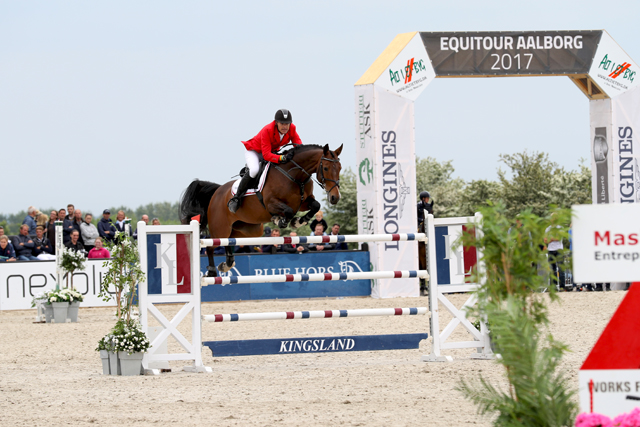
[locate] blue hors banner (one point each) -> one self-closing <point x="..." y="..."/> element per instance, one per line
<point x="308" y="263"/>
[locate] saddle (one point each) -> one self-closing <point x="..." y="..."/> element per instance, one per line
<point x="255" y="184"/>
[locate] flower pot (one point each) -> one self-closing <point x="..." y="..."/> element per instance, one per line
<point x="48" y="313"/>
<point x="114" y="363"/>
<point x="72" y="314"/>
<point x="104" y="356"/>
<point x="60" y="311"/>
<point x="131" y="364"/>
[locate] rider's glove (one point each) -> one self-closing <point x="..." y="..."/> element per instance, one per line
<point x="286" y="157"/>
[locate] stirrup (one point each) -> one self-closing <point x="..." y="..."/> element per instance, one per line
<point x="233" y="204"/>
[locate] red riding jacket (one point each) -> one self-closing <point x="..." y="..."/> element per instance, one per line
<point x="268" y="140"/>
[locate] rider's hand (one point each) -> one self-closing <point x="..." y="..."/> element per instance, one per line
<point x="286" y="157"/>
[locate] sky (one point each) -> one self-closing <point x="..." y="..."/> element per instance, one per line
<point x="126" y="102"/>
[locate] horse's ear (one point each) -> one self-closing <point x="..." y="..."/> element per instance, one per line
<point x="339" y="150"/>
<point x="325" y="149"/>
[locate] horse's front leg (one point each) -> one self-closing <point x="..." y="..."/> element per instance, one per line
<point x="314" y="207"/>
<point x="229" y="262"/>
<point x="281" y="213"/>
<point x="211" y="268"/>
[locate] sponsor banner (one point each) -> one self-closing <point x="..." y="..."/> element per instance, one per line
<point x="612" y="391"/>
<point x="454" y="266"/>
<point x="473" y="54"/>
<point x="409" y="73"/>
<point x="606" y="243"/>
<point x="602" y="168"/>
<point x="365" y="158"/>
<point x="625" y="116"/>
<point x="395" y="198"/>
<point x="21" y="281"/>
<point x="168" y="264"/>
<point x="612" y="69"/>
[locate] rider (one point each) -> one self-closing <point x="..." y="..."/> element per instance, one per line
<point x="271" y="138"/>
<point x="423" y="205"/>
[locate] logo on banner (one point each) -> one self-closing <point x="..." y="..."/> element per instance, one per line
<point x="364" y="119"/>
<point x="367" y="217"/>
<point x="394" y="188"/>
<point x="167" y="263"/>
<point x="365" y="171"/>
<point x="406" y="73"/>
<point x="349" y="267"/>
<point x="617" y="70"/>
<point x="629" y="173"/>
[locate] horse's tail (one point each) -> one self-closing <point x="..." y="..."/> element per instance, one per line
<point x="195" y="201"/>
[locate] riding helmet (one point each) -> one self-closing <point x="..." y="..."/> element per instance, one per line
<point x="283" y="116"/>
<point x="424" y="194"/>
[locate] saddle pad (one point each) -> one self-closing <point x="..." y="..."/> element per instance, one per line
<point x="252" y="191"/>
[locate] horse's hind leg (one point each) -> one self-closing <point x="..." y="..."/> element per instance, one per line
<point x="314" y="207"/>
<point x="281" y="221"/>
<point x="229" y="262"/>
<point x="211" y="268"/>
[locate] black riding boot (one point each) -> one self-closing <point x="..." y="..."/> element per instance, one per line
<point x="235" y="201"/>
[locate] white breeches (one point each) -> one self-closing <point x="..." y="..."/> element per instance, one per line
<point x="253" y="162"/>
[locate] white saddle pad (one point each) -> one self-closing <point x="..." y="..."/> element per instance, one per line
<point x="252" y="191"/>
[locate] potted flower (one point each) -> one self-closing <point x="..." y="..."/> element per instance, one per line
<point x="75" y="298"/>
<point x="41" y="302"/>
<point x="105" y="346"/>
<point x="60" y="302"/>
<point x="128" y="340"/>
<point x="71" y="260"/>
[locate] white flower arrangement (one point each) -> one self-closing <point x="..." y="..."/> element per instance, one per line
<point x="72" y="295"/>
<point x="127" y="336"/>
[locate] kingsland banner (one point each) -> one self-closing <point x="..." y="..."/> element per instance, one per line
<point x="385" y="93"/>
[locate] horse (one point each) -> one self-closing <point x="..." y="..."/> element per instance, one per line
<point x="288" y="190"/>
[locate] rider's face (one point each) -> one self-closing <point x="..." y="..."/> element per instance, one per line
<point x="283" y="127"/>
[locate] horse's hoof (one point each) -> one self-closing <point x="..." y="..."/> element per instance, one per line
<point x="296" y="223"/>
<point x="211" y="273"/>
<point x="223" y="267"/>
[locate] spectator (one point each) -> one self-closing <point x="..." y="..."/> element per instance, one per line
<point x="424" y="204"/>
<point x="43" y="249"/>
<point x="105" y="227"/>
<point x="242" y="249"/>
<point x="340" y="246"/>
<point x="42" y="220"/>
<point x="120" y="217"/>
<point x="293" y="248"/>
<point x="320" y="220"/>
<point x="30" y="220"/>
<point x="88" y="232"/>
<point x="145" y="219"/>
<point x="77" y="223"/>
<point x="62" y="213"/>
<point x="6" y="250"/>
<point x="51" y="228"/>
<point x="98" y="250"/>
<point x="320" y="246"/>
<point x="75" y="243"/>
<point x="23" y="245"/>
<point x="555" y="260"/>
<point x="67" y="227"/>
<point x="2" y="234"/>
<point x="155" y="221"/>
<point x="71" y="210"/>
<point x="272" y="249"/>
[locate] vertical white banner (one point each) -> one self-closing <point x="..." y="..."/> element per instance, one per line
<point x="395" y="207"/>
<point x="601" y="151"/>
<point x="625" y="118"/>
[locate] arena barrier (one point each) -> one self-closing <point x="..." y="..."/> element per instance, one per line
<point x="178" y="253"/>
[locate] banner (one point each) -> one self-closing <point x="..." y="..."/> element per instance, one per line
<point x="500" y="53"/>
<point x="612" y="69"/>
<point x="625" y="118"/>
<point x="601" y="155"/>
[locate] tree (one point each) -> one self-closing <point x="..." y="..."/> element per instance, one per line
<point x="435" y="177"/>
<point x="477" y="194"/>
<point x="571" y="187"/>
<point x="530" y="186"/>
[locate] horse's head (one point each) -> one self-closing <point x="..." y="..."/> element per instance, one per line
<point x="328" y="173"/>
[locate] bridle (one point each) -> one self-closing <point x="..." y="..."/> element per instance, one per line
<point x="322" y="180"/>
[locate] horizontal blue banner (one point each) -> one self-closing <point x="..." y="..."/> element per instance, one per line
<point x="315" y="344"/>
<point x="305" y="263"/>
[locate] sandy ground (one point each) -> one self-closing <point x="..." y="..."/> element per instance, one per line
<point x="51" y="375"/>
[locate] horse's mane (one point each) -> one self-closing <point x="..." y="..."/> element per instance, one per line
<point x="302" y="148"/>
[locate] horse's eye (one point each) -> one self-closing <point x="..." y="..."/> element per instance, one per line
<point x="326" y="169"/>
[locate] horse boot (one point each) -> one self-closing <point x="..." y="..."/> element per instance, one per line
<point x="235" y="201"/>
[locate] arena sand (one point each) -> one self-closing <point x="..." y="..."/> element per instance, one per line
<point x="50" y="374"/>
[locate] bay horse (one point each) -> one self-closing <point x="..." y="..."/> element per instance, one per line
<point x="288" y="190"/>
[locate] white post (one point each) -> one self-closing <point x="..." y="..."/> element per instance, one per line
<point x="59" y="247"/>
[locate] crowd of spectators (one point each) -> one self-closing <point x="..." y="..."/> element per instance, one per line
<point x="36" y="238"/>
